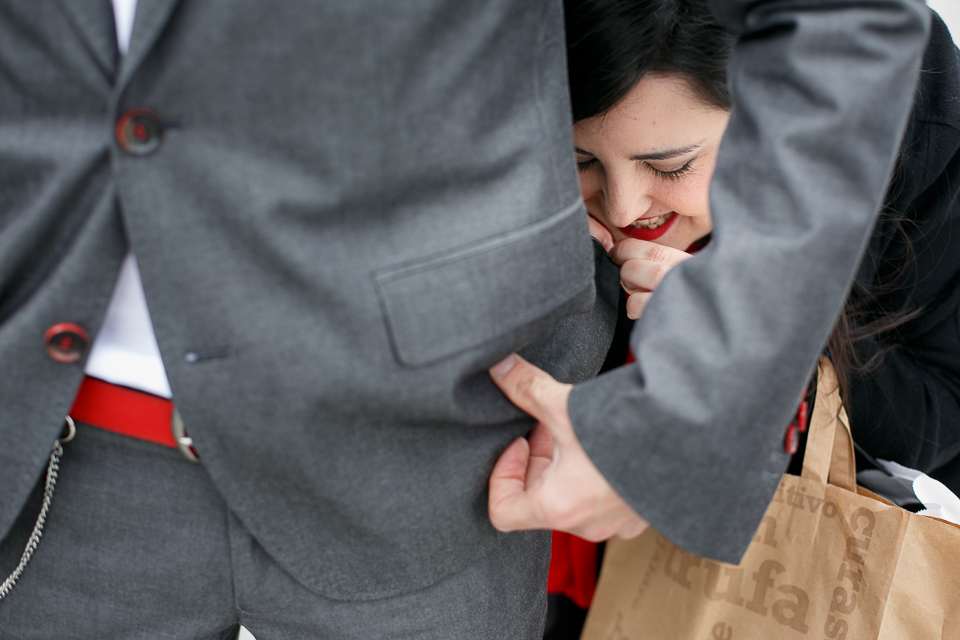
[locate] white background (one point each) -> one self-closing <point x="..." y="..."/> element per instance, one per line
<point x="949" y="10"/>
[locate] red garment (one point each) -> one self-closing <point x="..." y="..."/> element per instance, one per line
<point x="573" y="568"/>
<point x="573" y="561"/>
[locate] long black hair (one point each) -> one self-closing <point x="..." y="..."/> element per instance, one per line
<point x="612" y="44"/>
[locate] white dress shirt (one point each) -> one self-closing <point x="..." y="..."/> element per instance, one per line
<point x="125" y="351"/>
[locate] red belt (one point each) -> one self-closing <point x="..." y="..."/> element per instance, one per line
<point x="131" y="413"/>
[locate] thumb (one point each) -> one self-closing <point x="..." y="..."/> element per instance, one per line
<point x="597" y="229"/>
<point x="600" y="233"/>
<point x="536" y="392"/>
<point x="507" y="497"/>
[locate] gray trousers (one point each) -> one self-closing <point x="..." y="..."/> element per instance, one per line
<point x="139" y="544"/>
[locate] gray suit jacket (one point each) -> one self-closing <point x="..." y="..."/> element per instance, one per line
<point x="357" y="207"/>
<point x="354" y="210"/>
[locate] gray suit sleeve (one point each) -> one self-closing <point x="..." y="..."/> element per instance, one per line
<point x="575" y="350"/>
<point x="692" y="434"/>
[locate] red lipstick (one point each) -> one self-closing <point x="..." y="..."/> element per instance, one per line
<point x="649" y="234"/>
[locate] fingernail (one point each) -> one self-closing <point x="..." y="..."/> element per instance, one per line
<point x="501" y="368"/>
<point x="608" y="244"/>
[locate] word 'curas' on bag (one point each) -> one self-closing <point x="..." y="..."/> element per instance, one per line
<point x="829" y="560"/>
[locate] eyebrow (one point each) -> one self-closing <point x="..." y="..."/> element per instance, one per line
<point x="669" y="154"/>
<point x="666" y="154"/>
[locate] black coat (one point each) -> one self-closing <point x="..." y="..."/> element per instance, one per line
<point x="908" y="408"/>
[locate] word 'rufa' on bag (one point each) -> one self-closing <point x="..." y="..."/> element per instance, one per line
<point x="829" y="560"/>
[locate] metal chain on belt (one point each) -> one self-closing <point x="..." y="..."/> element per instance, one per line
<point x="53" y="467"/>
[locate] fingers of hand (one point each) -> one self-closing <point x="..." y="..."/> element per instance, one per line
<point x="533" y="492"/>
<point x="541" y="453"/>
<point x="634" y="249"/>
<point x="541" y="442"/>
<point x="636" y="303"/>
<point x="549" y="482"/>
<point x="536" y="392"/>
<point x="575" y="497"/>
<point x="510" y="469"/>
<point x="508" y="502"/>
<point x="642" y="275"/>
<point x="643" y="265"/>
<point x="600" y="232"/>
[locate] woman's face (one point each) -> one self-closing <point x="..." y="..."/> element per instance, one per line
<point x="645" y="165"/>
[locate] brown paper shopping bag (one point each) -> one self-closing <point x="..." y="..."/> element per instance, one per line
<point x="829" y="560"/>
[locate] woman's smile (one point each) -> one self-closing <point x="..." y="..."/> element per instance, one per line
<point x="650" y="228"/>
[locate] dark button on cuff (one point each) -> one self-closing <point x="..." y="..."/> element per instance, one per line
<point x="66" y="342"/>
<point x="139" y="131"/>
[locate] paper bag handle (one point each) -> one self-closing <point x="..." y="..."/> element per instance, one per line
<point x="829" y="454"/>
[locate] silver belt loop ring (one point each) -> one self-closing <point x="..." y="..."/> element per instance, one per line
<point x="184" y="442"/>
<point x="71" y="431"/>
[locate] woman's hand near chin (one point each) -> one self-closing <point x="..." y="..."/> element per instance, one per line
<point x="598" y="230"/>
<point x="643" y="265"/>
<point x="600" y="233"/>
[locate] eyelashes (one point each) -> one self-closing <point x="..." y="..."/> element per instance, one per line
<point x="676" y="174"/>
<point x="585" y="164"/>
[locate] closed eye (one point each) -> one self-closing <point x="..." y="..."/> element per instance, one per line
<point x="676" y="174"/>
<point x="583" y="165"/>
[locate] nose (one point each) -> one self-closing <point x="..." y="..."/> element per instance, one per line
<point x="625" y="202"/>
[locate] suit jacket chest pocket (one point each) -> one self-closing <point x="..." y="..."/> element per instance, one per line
<point x="446" y="304"/>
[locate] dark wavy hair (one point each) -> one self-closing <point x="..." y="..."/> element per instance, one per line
<point x="611" y="44"/>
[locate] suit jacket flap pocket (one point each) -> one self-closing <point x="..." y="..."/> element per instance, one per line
<point x="448" y="303"/>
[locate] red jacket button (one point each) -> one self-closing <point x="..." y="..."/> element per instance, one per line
<point x="802" y="415"/>
<point x="66" y="342"/>
<point x="792" y="442"/>
<point x="139" y="131"/>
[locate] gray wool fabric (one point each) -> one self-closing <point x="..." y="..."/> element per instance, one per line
<point x="140" y="545"/>
<point x="354" y="210"/>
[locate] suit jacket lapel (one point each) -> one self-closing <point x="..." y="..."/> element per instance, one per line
<point x="94" y="20"/>
<point x="150" y="19"/>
